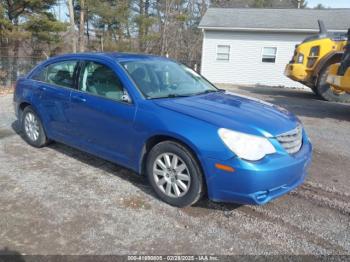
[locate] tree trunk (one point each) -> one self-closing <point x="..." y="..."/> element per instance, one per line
<point x="5" y="64"/>
<point x="72" y="25"/>
<point x="15" y="61"/>
<point x="81" y="26"/>
<point x="141" y="25"/>
<point x="87" y="27"/>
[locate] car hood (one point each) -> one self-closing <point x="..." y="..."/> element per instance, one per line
<point x="236" y="112"/>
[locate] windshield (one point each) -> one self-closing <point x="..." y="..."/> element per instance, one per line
<point x="161" y="78"/>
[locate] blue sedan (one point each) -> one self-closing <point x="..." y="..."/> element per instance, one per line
<point x="163" y="120"/>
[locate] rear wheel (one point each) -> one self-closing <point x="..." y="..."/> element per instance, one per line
<point x="174" y="174"/>
<point x="329" y="92"/>
<point x="32" y="128"/>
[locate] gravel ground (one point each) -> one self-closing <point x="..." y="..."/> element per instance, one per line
<point x="58" y="200"/>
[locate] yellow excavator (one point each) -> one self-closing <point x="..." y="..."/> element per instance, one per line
<point x="339" y="73"/>
<point x="312" y="60"/>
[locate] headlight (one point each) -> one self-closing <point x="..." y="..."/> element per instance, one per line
<point x="300" y="58"/>
<point x="248" y="147"/>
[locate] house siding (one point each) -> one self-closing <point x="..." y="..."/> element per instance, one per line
<point x="245" y="66"/>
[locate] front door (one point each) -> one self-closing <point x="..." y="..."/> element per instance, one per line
<point x="102" y="120"/>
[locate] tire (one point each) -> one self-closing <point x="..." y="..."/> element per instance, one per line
<point x="314" y="90"/>
<point x="168" y="177"/>
<point x="32" y="128"/>
<point x="325" y="91"/>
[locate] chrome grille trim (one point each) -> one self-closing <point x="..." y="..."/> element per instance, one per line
<point x="292" y="140"/>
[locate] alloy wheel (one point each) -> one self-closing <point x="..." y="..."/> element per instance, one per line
<point x="171" y="175"/>
<point x="31" y="126"/>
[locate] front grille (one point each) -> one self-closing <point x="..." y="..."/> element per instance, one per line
<point x="292" y="140"/>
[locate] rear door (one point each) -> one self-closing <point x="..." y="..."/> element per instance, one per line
<point x="100" y="113"/>
<point x="55" y="82"/>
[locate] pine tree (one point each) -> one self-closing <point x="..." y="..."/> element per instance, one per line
<point x="24" y="20"/>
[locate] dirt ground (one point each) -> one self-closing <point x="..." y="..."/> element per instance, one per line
<point x="58" y="200"/>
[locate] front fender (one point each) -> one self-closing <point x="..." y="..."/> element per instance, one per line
<point x="198" y="135"/>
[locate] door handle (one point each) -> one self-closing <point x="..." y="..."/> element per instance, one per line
<point x="42" y="88"/>
<point x="79" y="99"/>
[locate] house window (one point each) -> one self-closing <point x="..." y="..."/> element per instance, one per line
<point x="223" y="52"/>
<point x="269" y="54"/>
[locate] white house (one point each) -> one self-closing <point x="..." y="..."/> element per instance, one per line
<point x="252" y="46"/>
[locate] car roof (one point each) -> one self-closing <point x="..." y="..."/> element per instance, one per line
<point x="117" y="56"/>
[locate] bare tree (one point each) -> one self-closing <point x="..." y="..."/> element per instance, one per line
<point x="72" y="25"/>
<point x="81" y="26"/>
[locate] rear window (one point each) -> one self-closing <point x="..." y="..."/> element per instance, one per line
<point x="40" y="74"/>
<point x="60" y="74"/>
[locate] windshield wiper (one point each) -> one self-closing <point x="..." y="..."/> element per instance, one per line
<point x="169" y="96"/>
<point x="206" y="92"/>
<point x="173" y="95"/>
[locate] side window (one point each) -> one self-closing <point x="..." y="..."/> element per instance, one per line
<point x="62" y="73"/>
<point x="40" y="75"/>
<point x="98" y="79"/>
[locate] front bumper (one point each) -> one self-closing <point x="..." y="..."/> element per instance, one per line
<point x="258" y="182"/>
<point x="296" y="72"/>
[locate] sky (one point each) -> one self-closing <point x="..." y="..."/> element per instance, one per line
<point x="330" y="3"/>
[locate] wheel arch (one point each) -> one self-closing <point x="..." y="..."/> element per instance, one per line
<point x="156" y="139"/>
<point x="24" y="104"/>
<point x="21" y="108"/>
<point x="331" y="58"/>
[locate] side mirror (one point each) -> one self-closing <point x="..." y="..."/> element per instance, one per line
<point x="125" y="97"/>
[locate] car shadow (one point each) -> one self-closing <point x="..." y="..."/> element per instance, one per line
<point x="300" y="102"/>
<point x="89" y="159"/>
<point x="16" y="127"/>
<point x="140" y="181"/>
<point x="205" y="203"/>
<point x="126" y="174"/>
<point x="7" y="254"/>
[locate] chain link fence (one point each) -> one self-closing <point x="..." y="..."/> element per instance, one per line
<point x="13" y="67"/>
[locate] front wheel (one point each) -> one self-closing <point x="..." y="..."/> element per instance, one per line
<point x="174" y="174"/>
<point x="314" y="90"/>
<point x="329" y="92"/>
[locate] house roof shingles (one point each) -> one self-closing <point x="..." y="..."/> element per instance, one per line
<point x="275" y="19"/>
